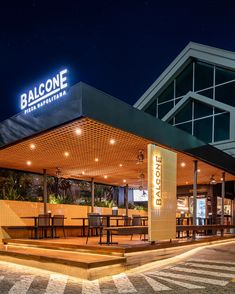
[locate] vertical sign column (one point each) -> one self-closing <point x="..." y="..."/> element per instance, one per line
<point x="162" y="166"/>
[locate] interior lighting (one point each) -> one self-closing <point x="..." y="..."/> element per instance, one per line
<point x="105" y="177"/>
<point x="120" y="165"/>
<point x="213" y="180"/>
<point x="186" y="182"/>
<point x="32" y="146"/>
<point x="112" y="141"/>
<point x="183" y="164"/>
<point x="124" y="181"/>
<point x="78" y="131"/>
<point x="29" y="162"/>
<point x="96" y="159"/>
<point x="83" y="173"/>
<point x="66" y="154"/>
<point x="198" y="170"/>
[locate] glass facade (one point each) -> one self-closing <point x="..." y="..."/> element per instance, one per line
<point x="206" y="122"/>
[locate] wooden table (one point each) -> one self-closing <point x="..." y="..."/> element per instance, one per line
<point x="108" y="217"/>
<point x="35" y="218"/>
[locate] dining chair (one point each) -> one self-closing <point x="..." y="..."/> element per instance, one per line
<point x="136" y="221"/>
<point x="43" y="224"/>
<point x="94" y="222"/>
<point x="57" y="222"/>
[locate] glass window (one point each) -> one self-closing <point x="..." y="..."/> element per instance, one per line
<point x="187" y="127"/>
<point x="226" y="93"/>
<point x="151" y="109"/>
<point x="167" y="94"/>
<point x="223" y="75"/>
<point x="184" y="82"/>
<point x="221" y="127"/>
<point x="203" y="75"/>
<point x="203" y="129"/>
<point x="202" y="109"/>
<point x="164" y="108"/>
<point x="185" y="113"/>
<point x="217" y="110"/>
<point x="208" y="93"/>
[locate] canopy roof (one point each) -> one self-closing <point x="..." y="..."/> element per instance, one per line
<point x="74" y="132"/>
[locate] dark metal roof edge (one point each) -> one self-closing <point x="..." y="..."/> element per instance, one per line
<point x="83" y="100"/>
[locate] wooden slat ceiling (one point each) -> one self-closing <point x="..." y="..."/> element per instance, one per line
<point x="74" y="148"/>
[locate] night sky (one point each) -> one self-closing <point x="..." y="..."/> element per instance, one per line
<point x="117" y="46"/>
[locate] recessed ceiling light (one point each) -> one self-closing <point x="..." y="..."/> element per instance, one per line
<point x="112" y="141"/>
<point x="183" y="164"/>
<point x="96" y="159"/>
<point x="66" y="154"/>
<point x="120" y="165"/>
<point x="83" y="173"/>
<point x="198" y="170"/>
<point x="32" y="146"/>
<point x="186" y="182"/>
<point x="124" y="181"/>
<point x="105" y="177"/>
<point x="78" y="131"/>
<point x="29" y="162"/>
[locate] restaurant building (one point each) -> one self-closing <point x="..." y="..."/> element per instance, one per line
<point x="196" y="93"/>
<point x="179" y="135"/>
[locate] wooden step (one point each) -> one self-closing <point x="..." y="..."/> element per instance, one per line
<point x="48" y="244"/>
<point x="78" y="264"/>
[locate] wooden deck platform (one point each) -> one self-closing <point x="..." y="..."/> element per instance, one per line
<point x="73" y="257"/>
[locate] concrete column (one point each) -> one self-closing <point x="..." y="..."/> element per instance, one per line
<point x="195" y="193"/>
<point x="222" y="195"/>
<point x="45" y="196"/>
<point x="126" y="198"/>
<point x="92" y="195"/>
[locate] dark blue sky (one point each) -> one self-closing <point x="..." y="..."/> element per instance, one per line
<point x="118" y="46"/>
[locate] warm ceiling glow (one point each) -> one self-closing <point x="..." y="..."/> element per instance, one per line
<point x="66" y="154"/>
<point x="120" y="165"/>
<point x="186" y="182"/>
<point x="112" y="141"/>
<point x="32" y="146"/>
<point x="183" y="164"/>
<point x="78" y="131"/>
<point x="105" y="177"/>
<point x="83" y="173"/>
<point x="29" y="162"/>
<point x="198" y="170"/>
<point x="124" y="181"/>
<point x="96" y="159"/>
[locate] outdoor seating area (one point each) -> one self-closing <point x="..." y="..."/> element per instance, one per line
<point x="46" y="226"/>
<point x="104" y="227"/>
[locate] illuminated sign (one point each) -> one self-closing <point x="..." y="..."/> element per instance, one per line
<point x="44" y="93"/>
<point x="157" y="170"/>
